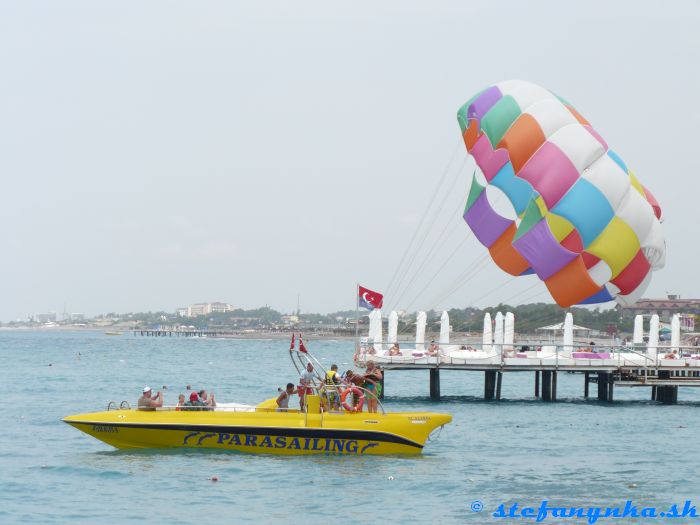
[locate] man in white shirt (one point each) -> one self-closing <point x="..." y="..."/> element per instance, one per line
<point x="149" y="402"/>
<point x="306" y="382"/>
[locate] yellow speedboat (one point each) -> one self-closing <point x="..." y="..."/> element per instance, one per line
<point x="263" y="429"/>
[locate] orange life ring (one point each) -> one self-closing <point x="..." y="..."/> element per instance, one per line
<point x="360" y="399"/>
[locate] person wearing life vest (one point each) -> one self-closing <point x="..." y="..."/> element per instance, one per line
<point x="332" y="380"/>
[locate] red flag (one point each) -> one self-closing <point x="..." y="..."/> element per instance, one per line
<point x="370" y="299"/>
<point x="302" y="348"/>
<point x="291" y="347"/>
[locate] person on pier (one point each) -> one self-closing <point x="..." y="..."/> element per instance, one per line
<point x="433" y="349"/>
<point x="395" y="350"/>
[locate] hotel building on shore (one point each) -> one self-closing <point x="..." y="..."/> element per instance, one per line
<point x="688" y="309"/>
<point x="197" y="309"/>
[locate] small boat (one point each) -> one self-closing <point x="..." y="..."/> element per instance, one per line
<point x="266" y="429"/>
<point x="113" y="332"/>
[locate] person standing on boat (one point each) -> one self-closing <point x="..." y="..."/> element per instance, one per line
<point x="283" y="398"/>
<point x="372" y="377"/>
<point x="331" y="387"/>
<point x="149" y="402"/>
<point x="306" y="382"/>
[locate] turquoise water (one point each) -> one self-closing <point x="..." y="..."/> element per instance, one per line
<point x="571" y="452"/>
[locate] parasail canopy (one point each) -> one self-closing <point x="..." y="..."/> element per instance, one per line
<point x="584" y="223"/>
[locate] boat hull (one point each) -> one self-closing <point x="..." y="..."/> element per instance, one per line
<point x="292" y="433"/>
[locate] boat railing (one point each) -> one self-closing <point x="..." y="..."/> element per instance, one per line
<point x="300" y="360"/>
<point x="324" y="390"/>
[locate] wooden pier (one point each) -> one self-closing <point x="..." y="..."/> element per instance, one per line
<point x="173" y="333"/>
<point x="662" y="382"/>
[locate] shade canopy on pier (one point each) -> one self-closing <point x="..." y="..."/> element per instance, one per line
<point x="560" y="327"/>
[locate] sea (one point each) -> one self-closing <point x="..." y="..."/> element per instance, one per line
<point x="572" y="454"/>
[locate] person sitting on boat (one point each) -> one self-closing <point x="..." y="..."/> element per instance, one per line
<point x="671" y="355"/>
<point x="209" y="401"/>
<point x="194" y="403"/>
<point x="283" y="398"/>
<point x="149" y="402"/>
<point x="180" y="402"/>
<point x="371" y="350"/>
<point x="306" y="382"/>
<point x="433" y="349"/>
<point x="395" y="350"/>
<point x="372" y="384"/>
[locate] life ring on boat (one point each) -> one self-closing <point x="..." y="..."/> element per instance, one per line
<point x="360" y="399"/>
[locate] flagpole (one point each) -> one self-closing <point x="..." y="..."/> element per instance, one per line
<point x="357" y="314"/>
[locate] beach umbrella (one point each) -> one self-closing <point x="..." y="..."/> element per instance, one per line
<point x="487" y="338"/>
<point x="638" y="335"/>
<point x="375" y="327"/>
<point x="393" y="327"/>
<point x="653" y="343"/>
<point x="676" y="332"/>
<point x="508" y="332"/>
<point x="421" y="320"/>
<point x="444" y="328"/>
<point x="568" y="333"/>
<point x="498" y="333"/>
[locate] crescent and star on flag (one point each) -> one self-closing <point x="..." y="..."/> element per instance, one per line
<point x="369" y="299"/>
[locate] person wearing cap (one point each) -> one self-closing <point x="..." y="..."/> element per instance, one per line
<point x="148" y="401"/>
<point x="194" y="403"/>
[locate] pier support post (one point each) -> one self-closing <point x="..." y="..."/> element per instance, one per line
<point x="499" y="380"/>
<point x="435" y="384"/>
<point x="602" y="386"/>
<point x="554" y="386"/>
<point x="546" y="385"/>
<point x="667" y="394"/>
<point x="489" y="384"/>
<point x="586" y="384"/>
<point x="537" y="384"/>
<point x="605" y="386"/>
<point x="653" y="393"/>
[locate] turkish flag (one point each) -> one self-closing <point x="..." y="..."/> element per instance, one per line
<point x="302" y="347"/>
<point x="292" y="345"/>
<point x="370" y="299"/>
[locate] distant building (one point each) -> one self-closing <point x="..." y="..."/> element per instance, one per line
<point x="290" y="319"/>
<point x="664" y="308"/>
<point x="44" y="318"/>
<point x="220" y="307"/>
<point x="197" y="309"/>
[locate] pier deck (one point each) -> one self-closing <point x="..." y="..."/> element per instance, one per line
<point x="662" y="376"/>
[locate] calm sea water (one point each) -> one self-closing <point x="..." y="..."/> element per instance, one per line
<point x="572" y="452"/>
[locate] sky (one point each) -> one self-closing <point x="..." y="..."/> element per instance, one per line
<point x="159" y="153"/>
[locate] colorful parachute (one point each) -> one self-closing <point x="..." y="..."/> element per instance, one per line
<point x="585" y="225"/>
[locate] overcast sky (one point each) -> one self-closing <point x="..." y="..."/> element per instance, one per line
<point x="155" y="154"/>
